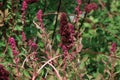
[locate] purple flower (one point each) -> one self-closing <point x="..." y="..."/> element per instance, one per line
<point x="31" y="1"/>
<point x="34" y="45"/>
<point x="1" y="4"/>
<point x="23" y="36"/>
<point x="24" y="5"/>
<point x="67" y="33"/>
<point x="12" y="43"/>
<point x="78" y="11"/>
<point x="91" y="6"/>
<point x="39" y="17"/>
<point x="4" y="74"/>
<point x="24" y="8"/>
<point x="79" y="2"/>
<point x="11" y="40"/>
<point x="113" y="47"/>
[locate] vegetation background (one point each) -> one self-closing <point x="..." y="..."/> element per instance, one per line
<point x="30" y="40"/>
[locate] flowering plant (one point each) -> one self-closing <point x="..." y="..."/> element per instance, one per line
<point x="59" y="40"/>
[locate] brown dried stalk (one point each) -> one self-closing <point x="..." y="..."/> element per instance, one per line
<point x="47" y="63"/>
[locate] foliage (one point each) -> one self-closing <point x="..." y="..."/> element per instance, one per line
<point x="60" y="39"/>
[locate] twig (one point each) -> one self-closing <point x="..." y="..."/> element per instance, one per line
<point x="57" y="73"/>
<point x="83" y="19"/>
<point x="47" y="63"/>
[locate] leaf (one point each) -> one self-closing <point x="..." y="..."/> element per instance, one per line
<point x="18" y="28"/>
<point x="26" y="73"/>
<point x="99" y="76"/>
<point x="58" y="37"/>
<point x="6" y="13"/>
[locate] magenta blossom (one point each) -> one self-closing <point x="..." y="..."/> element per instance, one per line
<point x="90" y="7"/>
<point x="78" y="11"/>
<point x="4" y="74"/>
<point x="23" y="36"/>
<point x="67" y="33"/>
<point x="32" y="45"/>
<point x="39" y="17"/>
<point x="31" y="1"/>
<point x="12" y="43"/>
<point x="113" y="47"/>
<point x="24" y="8"/>
<point x="24" y="5"/>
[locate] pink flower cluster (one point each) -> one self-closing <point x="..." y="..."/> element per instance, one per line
<point x="24" y="7"/>
<point x="23" y="36"/>
<point x="39" y="17"/>
<point x="32" y="45"/>
<point x="67" y="33"/>
<point x="1" y="4"/>
<point x="77" y="9"/>
<point x="113" y="48"/>
<point x="31" y="1"/>
<point x="12" y="43"/>
<point x="4" y="74"/>
<point x="91" y="6"/>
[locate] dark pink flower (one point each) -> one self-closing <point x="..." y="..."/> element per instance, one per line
<point x="30" y="42"/>
<point x="1" y="4"/>
<point x="24" y="8"/>
<point x="24" y="5"/>
<point x="23" y="36"/>
<point x="15" y="52"/>
<point x="90" y="7"/>
<point x="34" y="45"/>
<point x="79" y="2"/>
<point x="78" y="11"/>
<point x="39" y="17"/>
<point x="11" y="40"/>
<point x="113" y="47"/>
<point x="31" y="1"/>
<point x="67" y="33"/>
<point x="4" y="74"/>
<point x="12" y="43"/>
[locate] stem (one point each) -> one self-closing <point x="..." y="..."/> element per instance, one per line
<point x="47" y="63"/>
<point x="57" y="73"/>
<point x="83" y="18"/>
<point x="58" y="10"/>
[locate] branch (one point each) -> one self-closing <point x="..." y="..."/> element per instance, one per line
<point x="47" y="63"/>
<point x="57" y="73"/>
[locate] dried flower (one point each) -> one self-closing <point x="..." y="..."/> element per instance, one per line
<point x="39" y="17"/>
<point x="91" y="6"/>
<point x="4" y="74"/>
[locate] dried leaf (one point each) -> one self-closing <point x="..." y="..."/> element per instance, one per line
<point x="99" y="76"/>
<point x="6" y="13"/>
<point x="2" y="24"/>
